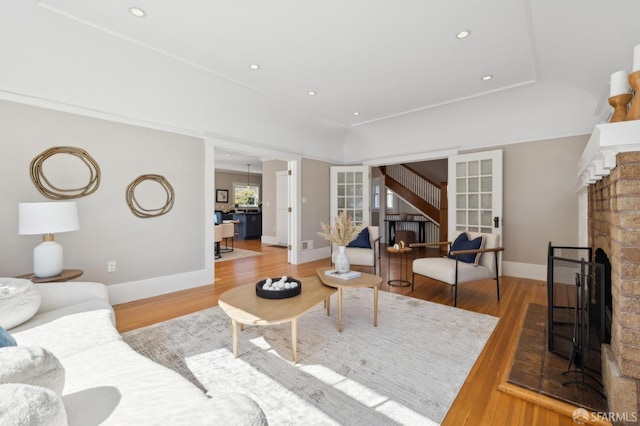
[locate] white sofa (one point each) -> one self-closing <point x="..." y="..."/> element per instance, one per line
<point x="107" y="382"/>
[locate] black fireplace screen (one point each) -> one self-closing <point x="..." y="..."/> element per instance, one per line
<point x="579" y="293"/>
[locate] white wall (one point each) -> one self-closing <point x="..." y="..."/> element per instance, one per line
<point x="540" y="203"/>
<point x="168" y="245"/>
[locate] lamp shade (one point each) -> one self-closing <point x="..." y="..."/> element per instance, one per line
<point x="47" y="218"/>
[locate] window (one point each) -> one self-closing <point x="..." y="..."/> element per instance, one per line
<point x="375" y="194"/>
<point x="246" y="196"/>
<point x="390" y="198"/>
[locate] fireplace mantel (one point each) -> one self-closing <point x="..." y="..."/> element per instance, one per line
<point x="606" y="141"/>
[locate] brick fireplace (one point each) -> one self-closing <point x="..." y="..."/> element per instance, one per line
<point x="612" y="173"/>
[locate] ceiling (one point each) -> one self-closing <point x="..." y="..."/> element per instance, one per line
<point x="237" y="162"/>
<point x="369" y="57"/>
<point x="369" y="60"/>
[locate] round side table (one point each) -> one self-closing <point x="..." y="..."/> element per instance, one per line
<point x="403" y="280"/>
<point x="65" y="275"/>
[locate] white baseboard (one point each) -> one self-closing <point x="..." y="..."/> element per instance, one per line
<point x="271" y="240"/>
<point x="136" y="290"/>
<point x="315" y="254"/>
<point x="525" y="270"/>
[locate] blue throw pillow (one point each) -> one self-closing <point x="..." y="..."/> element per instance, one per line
<point x="463" y="243"/>
<point x="362" y="240"/>
<point x="6" y="339"/>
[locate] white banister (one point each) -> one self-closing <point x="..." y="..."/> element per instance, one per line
<point x="415" y="183"/>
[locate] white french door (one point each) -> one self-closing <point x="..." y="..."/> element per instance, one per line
<point x="349" y="192"/>
<point x="475" y="192"/>
<point x="282" y="208"/>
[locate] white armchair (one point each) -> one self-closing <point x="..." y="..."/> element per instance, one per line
<point x="463" y="265"/>
<point x="363" y="256"/>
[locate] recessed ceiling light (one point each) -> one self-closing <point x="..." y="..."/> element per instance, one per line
<point x="137" y="12"/>
<point x="356" y="113"/>
<point x="463" y="34"/>
<point x="254" y="66"/>
<point x="311" y="93"/>
<point x="487" y="77"/>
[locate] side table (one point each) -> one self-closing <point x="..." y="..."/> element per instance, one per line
<point x="365" y="280"/>
<point x="404" y="266"/>
<point x="65" y="275"/>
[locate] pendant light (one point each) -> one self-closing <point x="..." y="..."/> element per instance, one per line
<point x="248" y="181"/>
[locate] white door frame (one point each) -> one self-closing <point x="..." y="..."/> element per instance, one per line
<point x="282" y="205"/>
<point x="295" y="215"/>
<point x="294" y="160"/>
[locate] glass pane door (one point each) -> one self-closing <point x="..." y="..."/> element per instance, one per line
<point x="475" y="191"/>
<point x="350" y="192"/>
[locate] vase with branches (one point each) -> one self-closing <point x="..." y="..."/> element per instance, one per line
<point x="343" y="231"/>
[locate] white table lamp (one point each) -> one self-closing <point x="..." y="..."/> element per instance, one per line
<point x="47" y="219"/>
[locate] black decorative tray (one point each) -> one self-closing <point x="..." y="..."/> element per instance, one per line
<point x="278" y="294"/>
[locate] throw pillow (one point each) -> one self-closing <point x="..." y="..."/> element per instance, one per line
<point x="6" y="339"/>
<point x="22" y="404"/>
<point x="31" y="365"/>
<point x="362" y="240"/>
<point x="464" y="243"/>
<point x="19" y="301"/>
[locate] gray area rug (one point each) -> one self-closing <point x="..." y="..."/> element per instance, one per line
<point x="408" y="370"/>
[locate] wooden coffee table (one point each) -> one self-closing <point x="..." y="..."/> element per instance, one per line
<point x="365" y="280"/>
<point x="244" y="307"/>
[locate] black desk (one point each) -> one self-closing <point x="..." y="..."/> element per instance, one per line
<point x="391" y="229"/>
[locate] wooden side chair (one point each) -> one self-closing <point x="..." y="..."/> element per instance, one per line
<point x="466" y="261"/>
<point x="364" y="250"/>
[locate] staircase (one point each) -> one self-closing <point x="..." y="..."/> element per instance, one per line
<point x="428" y="197"/>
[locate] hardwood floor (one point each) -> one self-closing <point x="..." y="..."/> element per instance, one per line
<point x="479" y="402"/>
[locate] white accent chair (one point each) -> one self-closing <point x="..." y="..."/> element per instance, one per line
<point x="228" y="232"/>
<point x="454" y="271"/>
<point x="363" y="256"/>
<point x="217" y="238"/>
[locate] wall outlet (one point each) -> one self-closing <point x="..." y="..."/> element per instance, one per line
<point x="111" y="266"/>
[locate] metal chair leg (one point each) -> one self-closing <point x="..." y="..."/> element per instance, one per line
<point x="455" y="295"/>
<point x="497" y="278"/>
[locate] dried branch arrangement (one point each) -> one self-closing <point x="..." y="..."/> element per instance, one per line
<point x="342" y="232"/>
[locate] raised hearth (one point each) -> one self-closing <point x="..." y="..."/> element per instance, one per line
<point x="538" y="370"/>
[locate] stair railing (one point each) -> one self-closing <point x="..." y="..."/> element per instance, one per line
<point x="416" y="183"/>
